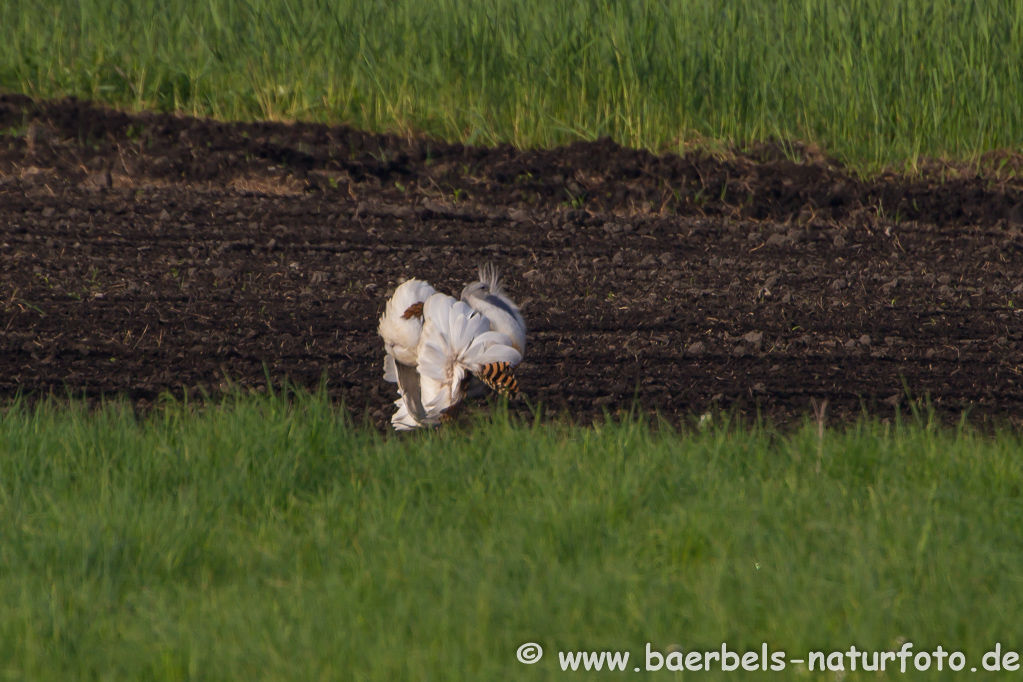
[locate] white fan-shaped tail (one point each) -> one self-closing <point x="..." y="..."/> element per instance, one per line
<point x="455" y="342"/>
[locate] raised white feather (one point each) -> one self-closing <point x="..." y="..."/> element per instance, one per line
<point x="455" y="342"/>
<point x="487" y="296"/>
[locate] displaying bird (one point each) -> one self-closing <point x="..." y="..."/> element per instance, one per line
<point x="401" y="326"/>
<point x="436" y="347"/>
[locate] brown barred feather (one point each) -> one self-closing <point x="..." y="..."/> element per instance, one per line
<point x="500" y="376"/>
<point x="414" y="310"/>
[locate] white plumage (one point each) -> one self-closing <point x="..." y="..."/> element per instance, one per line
<point x="401" y="420"/>
<point x="402" y="321"/>
<point x="435" y="344"/>
<point x="401" y="325"/>
<point x="456" y="342"/>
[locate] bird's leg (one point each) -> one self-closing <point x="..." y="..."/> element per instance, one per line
<point x="450" y="414"/>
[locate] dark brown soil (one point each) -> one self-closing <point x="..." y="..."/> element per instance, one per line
<point x="147" y="253"/>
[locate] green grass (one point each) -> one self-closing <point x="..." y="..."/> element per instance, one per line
<point x="258" y="540"/>
<point x="875" y="83"/>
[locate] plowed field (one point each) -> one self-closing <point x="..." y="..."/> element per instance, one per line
<point x="148" y="253"/>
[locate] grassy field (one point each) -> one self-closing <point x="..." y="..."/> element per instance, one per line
<point x="875" y="83"/>
<point x="260" y="540"/>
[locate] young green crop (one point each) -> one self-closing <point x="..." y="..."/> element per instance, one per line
<point x="875" y="82"/>
<point x="260" y="540"/>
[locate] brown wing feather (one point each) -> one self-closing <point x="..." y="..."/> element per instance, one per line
<point x="414" y="310"/>
<point x="500" y="376"/>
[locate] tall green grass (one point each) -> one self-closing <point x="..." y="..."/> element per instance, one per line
<point x="874" y="82"/>
<point x="261" y="540"/>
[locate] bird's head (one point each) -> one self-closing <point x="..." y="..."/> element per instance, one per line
<point x="475" y="290"/>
